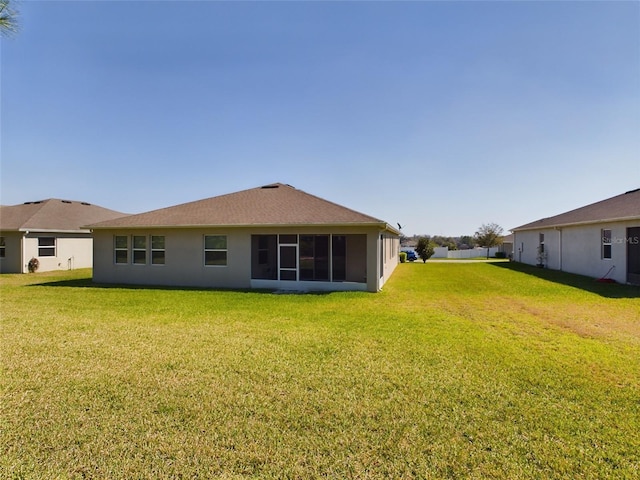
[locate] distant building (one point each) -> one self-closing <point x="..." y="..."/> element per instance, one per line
<point x="50" y="231"/>
<point x="271" y="237"/>
<point x="506" y="246"/>
<point x="598" y="240"/>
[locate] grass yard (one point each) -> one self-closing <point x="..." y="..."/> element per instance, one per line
<point x="476" y="370"/>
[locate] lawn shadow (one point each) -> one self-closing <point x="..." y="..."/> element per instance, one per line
<point x="89" y="283"/>
<point x="608" y="290"/>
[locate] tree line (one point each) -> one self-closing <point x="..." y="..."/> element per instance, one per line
<point x="487" y="236"/>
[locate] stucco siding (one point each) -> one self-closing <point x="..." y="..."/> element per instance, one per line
<point x="390" y="245"/>
<point x="71" y="251"/>
<point x="12" y="261"/>
<point x="578" y="249"/>
<point x="583" y="251"/>
<point x="184" y="258"/>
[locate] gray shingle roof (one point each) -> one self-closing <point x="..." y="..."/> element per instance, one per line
<point x="276" y="204"/>
<point x="620" y="207"/>
<point x="53" y="215"/>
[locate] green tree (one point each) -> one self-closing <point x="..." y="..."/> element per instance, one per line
<point x="489" y="235"/>
<point x="425" y="248"/>
<point x="466" y="241"/>
<point x="8" y="23"/>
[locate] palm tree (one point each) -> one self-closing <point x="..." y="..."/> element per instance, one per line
<point x="8" y="23"/>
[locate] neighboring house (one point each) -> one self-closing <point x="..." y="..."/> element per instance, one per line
<point x="272" y="237"/>
<point x="601" y="240"/>
<point x="50" y="231"/>
<point x="506" y="246"/>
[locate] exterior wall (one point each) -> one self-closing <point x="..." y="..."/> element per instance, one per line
<point x="526" y="245"/>
<point x="583" y="247"/>
<point x="578" y="249"/>
<point x="12" y="261"/>
<point x="184" y="259"/>
<point x="357" y="260"/>
<point x="390" y="257"/>
<point x="71" y="251"/>
<point x="506" y="248"/>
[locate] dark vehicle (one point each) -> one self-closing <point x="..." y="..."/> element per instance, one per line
<point x="411" y="255"/>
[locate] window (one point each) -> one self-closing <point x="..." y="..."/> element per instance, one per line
<point x="2" y="247"/>
<point x="541" y="244"/>
<point x="338" y="254"/>
<point x="157" y="250"/>
<point x="139" y="249"/>
<point x="605" y="237"/>
<point x="46" y="246"/>
<point x="321" y="258"/>
<point x="215" y="250"/>
<point x="314" y="257"/>
<point x="121" y="249"/>
<point x="264" y="257"/>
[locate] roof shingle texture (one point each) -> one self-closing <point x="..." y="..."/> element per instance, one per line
<point x="53" y="214"/>
<point x="620" y="207"/>
<point x="276" y="204"/>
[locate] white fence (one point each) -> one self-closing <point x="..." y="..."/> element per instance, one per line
<point x="444" y="252"/>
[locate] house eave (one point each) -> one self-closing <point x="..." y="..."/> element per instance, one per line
<point x="51" y="230"/>
<point x="574" y="224"/>
<point x="380" y="225"/>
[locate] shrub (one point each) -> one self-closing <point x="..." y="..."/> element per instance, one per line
<point x="501" y="255"/>
<point x="425" y="248"/>
<point x="33" y="265"/>
<point x="403" y="257"/>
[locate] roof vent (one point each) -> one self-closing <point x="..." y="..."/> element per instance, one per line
<point x="270" y="186"/>
<point x="84" y="203"/>
<point x="65" y="201"/>
<point x="33" y="203"/>
<point x="632" y="191"/>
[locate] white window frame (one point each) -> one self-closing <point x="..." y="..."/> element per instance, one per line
<point x="135" y="249"/>
<point x="47" y="247"/>
<point x="225" y="250"/>
<point x="605" y="242"/>
<point x="116" y="249"/>
<point x="154" y="250"/>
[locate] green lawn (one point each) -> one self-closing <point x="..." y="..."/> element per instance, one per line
<point x="455" y="370"/>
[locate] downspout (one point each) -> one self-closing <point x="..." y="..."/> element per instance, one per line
<point x="560" y="247"/>
<point x="23" y="251"/>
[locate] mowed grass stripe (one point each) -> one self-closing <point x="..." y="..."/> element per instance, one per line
<point x="454" y="370"/>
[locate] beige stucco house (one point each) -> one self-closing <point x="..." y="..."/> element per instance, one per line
<point x="50" y="231"/>
<point x="270" y="237"/>
<point x="601" y="240"/>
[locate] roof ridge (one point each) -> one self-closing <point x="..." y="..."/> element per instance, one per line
<point x="269" y="204"/>
<point x="338" y="205"/>
<point x="41" y="204"/>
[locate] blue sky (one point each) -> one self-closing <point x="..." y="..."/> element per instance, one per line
<point x="439" y="115"/>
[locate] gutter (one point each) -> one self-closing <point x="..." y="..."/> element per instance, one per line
<point x="51" y="230"/>
<point x="559" y="230"/>
<point x="381" y="225"/>
<point x="572" y="224"/>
